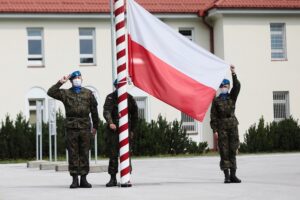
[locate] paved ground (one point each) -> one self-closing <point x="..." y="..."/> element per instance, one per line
<point x="264" y="177"/>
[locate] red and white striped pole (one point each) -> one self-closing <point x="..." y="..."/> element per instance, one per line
<point x="119" y="11"/>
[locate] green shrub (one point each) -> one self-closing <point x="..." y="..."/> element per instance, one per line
<point x="18" y="139"/>
<point x="276" y="136"/>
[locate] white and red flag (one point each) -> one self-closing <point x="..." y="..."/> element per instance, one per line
<point x="169" y="66"/>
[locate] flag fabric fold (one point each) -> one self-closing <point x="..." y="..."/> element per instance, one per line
<point x="169" y="66"/>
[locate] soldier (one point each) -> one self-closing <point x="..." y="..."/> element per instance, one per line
<point x="110" y="114"/>
<point x="79" y="102"/>
<point x="224" y="125"/>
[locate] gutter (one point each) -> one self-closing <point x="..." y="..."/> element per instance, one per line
<point x="211" y="33"/>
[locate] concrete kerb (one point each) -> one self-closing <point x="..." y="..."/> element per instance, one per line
<point x="36" y="163"/>
<point x="94" y="168"/>
<point x="50" y="165"/>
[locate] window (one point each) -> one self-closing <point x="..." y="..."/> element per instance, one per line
<point x="278" y="41"/>
<point x="87" y="45"/>
<point x="141" y="103"/>
<point x="281" y="105"/>
<point x="189" y="124"/>
<point x="35" y="46"/>
<point x="187" y="32"/>
<point x="33" y="109"/>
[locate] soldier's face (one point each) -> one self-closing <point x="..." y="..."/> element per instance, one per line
<point x="77" y="81"/>
<point x="224" y="89"/>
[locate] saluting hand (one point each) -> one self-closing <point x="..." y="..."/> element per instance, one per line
<point x="65" y="79"/>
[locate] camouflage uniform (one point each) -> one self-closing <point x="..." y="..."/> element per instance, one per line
<point x="224" y="122"/>
<point x="110" y="114"/>
<point x="78" y="125"/>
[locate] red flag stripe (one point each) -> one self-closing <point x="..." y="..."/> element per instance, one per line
<point x="154" y="73"/>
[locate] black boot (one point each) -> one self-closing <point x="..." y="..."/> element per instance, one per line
<point x="75" y="183"/>
<point x="233" y="177"/>
<point x="84" y="183"/>
<point x="227" y="176"/>
<point x="112" y="182"/>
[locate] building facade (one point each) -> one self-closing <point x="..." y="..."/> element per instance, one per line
<point x="40" y="44"/>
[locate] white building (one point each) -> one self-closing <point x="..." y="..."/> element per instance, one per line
<point x="41" y="42"/>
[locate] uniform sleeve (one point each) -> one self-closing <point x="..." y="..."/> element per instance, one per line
<point x="107" y="109"/>
<point x="213" y="117"/>
<point x="94" y="112"/>
<point x="55" y="92"/>
<point x="235" y="88"/>
<point x="133" y="112"/>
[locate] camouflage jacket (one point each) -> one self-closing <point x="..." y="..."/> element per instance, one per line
<point x="110" y="110"/>
<point x="77" y="106"/>
<point x="222" y="110"/>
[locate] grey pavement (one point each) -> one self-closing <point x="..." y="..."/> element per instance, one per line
<point x="266" y="177"/>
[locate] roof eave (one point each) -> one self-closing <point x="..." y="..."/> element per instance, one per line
<point x="251" y="11"/>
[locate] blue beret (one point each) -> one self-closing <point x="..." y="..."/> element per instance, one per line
<point x="75" y="74"/>
<point x="225" y="82"/>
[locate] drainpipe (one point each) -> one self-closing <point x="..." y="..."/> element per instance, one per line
<point x="212" y="50"/>
<point x="211" y="33"/>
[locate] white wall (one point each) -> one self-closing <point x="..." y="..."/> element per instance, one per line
<point x="61" y="47"/>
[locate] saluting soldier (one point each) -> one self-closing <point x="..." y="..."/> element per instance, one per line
<point x="79" y="103"/>
<point x="225" y="125"/>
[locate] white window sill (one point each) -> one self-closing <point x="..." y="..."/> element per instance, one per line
<point x="279" y="59"/>
<point x="88" y="65"/>
<point x="35" y="66"/>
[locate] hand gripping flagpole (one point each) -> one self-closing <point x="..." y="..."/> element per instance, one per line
<point x="119" y="11"/>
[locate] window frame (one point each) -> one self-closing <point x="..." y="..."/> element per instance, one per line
<point x="35" y="63"/>
<point x="192" y="37"/>
<point x="285" y="102"/>
<point x="88" y="37"/>
<point x="282" y="34"/>
<point x="34" y="108"/>
<point x="145" y="101"/>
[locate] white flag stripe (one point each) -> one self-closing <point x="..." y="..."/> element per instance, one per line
<point x="173" y="48"/>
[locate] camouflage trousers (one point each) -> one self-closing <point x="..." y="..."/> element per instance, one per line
<point x="228" y="142"/>
<point x="112" y="140"/>
<point x="78" y="145"/>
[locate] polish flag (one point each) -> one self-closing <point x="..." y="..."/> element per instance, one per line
<point x="169" y="66"/>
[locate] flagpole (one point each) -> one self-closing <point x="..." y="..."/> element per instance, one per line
<point x="119" y="11"/>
